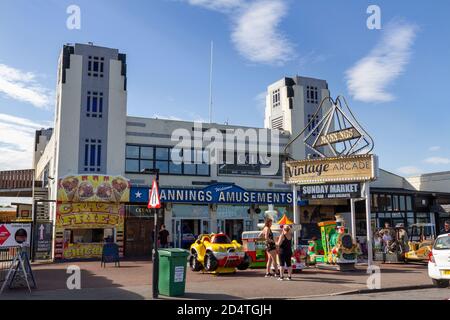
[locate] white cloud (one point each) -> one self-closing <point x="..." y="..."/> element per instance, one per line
<point x="22" y="86"/>
<point x="368" y="80"/>
<point x="437" y="160"/>
<point x="255" y="28"/>
<point x="260" y="99"/>
<point x="409" y="170"/>
<point x="256" y="36"/>
<point x="434" y="148"/>
<point x="17" y="141"/>
<point x="218" y="5"/>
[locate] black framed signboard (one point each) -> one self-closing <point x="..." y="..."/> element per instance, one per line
<point x="330" y="191"/>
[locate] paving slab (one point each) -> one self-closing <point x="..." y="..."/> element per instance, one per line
<point x="133" y="280"/>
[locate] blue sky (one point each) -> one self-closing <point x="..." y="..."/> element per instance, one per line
<point x="395" y="78"/>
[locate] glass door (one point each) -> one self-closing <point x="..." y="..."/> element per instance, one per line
<point x="205" y="227"/>
<point x="176" y="233"/>
<point x="220" y="226"/>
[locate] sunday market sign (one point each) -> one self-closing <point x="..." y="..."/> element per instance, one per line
<point x="357" y="168"/>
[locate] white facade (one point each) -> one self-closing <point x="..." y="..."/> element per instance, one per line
<point x="435" y="182"/>
<point x="81" y="126"/>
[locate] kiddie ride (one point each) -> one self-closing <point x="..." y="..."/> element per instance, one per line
<point x="216" y="253"/>
<point x="420" y="242"/>
<point x="336" y="249"/>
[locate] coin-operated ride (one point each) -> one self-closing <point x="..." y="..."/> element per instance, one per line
<point x="336" y="246"/>
<point x="421" y="239"/>
<point x="216" y="253"/>
<point x="391" y="244"/>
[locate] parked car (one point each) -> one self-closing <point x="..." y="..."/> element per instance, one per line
<point x="439" y="261"/>
<point x="217" y="253"/>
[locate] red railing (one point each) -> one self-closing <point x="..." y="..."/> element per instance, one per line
<point x="16" y="179"/>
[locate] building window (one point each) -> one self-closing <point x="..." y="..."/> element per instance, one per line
<point x="276" y="98"/>
<point x="312" y="95"/>
<point x="92" y="155"/>
<point x="312" y="123"/>
<point x="139" y="158"/>
<point x="96" y="66"/>
<point x="94" y="108"/>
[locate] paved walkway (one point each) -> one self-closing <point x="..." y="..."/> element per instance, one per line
<point x="133" y="281"/>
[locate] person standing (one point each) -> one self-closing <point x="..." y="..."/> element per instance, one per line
<point x="271" y="248"/>
<point x="446" y="228"/>
<point x="285" y="252"/>
<point x="163" y="237"/>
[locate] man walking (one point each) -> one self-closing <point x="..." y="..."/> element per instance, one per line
<point x="163" y="237"/>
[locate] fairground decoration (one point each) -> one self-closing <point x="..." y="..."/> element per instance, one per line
<point x="341" y="153"/>
<point x="341" y="133"/>
<point x="342" y="145"/>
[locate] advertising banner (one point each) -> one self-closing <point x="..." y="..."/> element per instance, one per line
<point x="93" y="188"/>
<point x="43" y="237"/>
<point x="331" y="191"/>
<point x="217" y="194"/>
<point x="344" y="169"/>
<point x="83" y="251"/>
<point x="89" y="215"/>
<point x="15" y="234"/>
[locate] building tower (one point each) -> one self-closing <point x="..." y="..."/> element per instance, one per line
<point x="91" y="110"/>
<point x="291" y="104"/>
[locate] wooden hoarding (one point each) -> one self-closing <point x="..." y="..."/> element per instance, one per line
<point x="344" y="169"/>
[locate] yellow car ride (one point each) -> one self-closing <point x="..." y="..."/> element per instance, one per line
<point x="216" y="253"/>
<point x="420" y="242"/>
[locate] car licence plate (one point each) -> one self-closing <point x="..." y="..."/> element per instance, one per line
<point x="446" y="272"/>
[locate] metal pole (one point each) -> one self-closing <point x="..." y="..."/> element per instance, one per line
<point x="210" y="82"/>
<point x="295" y="213"/>
<point x="369" y="225"/>
<point x="353" y="219"/>
<point x="155" y="284"/>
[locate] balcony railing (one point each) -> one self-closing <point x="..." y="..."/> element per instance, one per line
<point x="17" y="179"/>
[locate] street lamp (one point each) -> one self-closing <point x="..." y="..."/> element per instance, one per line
<point x="155" y="257"/>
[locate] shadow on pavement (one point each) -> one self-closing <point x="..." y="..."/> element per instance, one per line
<point x="52" y="285"/>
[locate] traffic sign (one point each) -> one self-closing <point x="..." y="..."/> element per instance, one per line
<point x="154" y="199"/>
<point x="4" y="234"/>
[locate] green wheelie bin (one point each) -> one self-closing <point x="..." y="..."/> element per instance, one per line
<point x="172" y="271"/>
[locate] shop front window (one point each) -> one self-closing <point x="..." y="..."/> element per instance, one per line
<point x="395" y="203"/>
<point x="402" y="203"/>
<point x="388" y="202"/>
<point x="408" y="203"/>
<point x="422" y="217"/>
<point x="91" y="235"/>
<point x="140" y="158"/>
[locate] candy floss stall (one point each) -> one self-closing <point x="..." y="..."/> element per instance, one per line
<point x="90" y="211"/>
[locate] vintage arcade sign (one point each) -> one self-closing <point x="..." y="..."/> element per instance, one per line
<point x="331" y="191"/>
<point x="344" y="169"/>
<point x="338" y="134"/>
